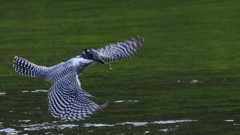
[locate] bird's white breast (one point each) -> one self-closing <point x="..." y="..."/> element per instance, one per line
<point x="77" y="61"/>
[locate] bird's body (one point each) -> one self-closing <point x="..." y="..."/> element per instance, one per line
<point x="67" y="100"/>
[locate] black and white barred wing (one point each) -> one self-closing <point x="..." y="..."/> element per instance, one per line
<point x="68" y="101"/>
<point x="27" y="68"/>
<point x="113" y="52"/>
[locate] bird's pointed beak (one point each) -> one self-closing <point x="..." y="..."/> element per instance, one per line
<point x="100" y="60"/>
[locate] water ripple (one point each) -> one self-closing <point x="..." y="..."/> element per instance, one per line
<point x="34" y="91"/>
<point x="126" y="101"/>
<point x="10" y="131"/>
<point x="46" y="125"/>
<point x="2" y="93"/>
<point x="137" y="123"/>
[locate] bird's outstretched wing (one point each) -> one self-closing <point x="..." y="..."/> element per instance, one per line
<point x="27" y="68"/>
<point x="113" y="52"/>
<point x="68" y="101"/>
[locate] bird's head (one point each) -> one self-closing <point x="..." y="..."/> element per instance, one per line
<point x="92" y="55"/>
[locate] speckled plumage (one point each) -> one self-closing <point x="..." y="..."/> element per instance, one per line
<point x="67" y="100"/>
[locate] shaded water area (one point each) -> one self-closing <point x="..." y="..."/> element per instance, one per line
<point x="185" y="79"/>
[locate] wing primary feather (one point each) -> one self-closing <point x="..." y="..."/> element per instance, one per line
<point x="113" y="52"/>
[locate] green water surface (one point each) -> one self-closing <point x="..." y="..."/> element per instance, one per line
<point x="185" y="79"/>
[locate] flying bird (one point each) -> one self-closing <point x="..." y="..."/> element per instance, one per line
<point x="66" y="99"/>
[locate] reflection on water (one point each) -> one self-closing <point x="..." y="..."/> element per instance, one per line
<point x="126" y="101"/>
<point x="229" y="120"/>
<point x="34" y="91"/>
<point x="26" y="126"/>
<point x="97" y="125"/>
<point x="24" y="120"/>
<point x="172" y="121"/>
<point x="2" y="93"/>
<point x="137" y="123"/>
<point x="46" y="125"/>
<point x="9" y="130"/>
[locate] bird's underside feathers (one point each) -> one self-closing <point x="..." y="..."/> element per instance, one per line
<point x="66" y="98"/>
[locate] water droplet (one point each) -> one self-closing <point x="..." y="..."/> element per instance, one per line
<point x="110" y="66"/>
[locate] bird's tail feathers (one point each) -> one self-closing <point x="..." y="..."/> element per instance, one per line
<point x="27" y="68"/>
